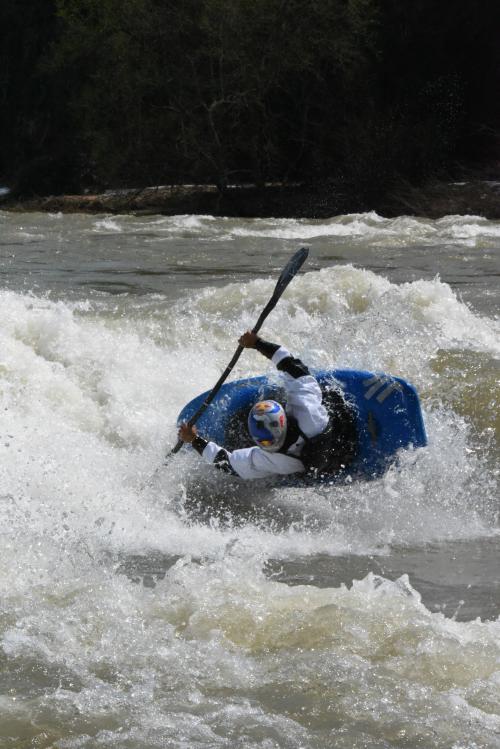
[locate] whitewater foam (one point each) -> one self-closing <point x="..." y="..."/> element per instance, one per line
<point x="219" y="653"/>
<point x="92" y="400"/>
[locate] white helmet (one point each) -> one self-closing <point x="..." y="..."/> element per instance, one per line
<point x="267" y="425"/>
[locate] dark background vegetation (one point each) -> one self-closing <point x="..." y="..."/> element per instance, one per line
<point x="354" y="93"/>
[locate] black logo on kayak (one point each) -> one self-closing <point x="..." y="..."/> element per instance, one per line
<point x="372" y="427"/>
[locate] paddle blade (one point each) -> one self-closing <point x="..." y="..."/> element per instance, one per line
<point x="290" y="270"/>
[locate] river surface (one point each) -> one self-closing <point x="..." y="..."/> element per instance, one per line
<point x="193" y="609"/>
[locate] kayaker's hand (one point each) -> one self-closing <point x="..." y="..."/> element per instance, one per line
<point x="248" y="339"/>
<point x="187" y="433"/>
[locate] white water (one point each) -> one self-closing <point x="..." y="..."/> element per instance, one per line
<point x="220" y="653"/>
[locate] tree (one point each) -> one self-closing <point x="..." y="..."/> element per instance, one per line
<point x="35" y="141"/>
<point x="109" y="93"/>
<point x="214" y="89"/>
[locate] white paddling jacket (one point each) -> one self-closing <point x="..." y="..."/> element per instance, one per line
<point x="304" y="405"/>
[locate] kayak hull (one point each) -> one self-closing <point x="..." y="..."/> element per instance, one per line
<point x="387" y="411"/>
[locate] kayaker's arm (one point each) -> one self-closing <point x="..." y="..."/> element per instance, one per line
<point x="220" y="459"/>
<point x="279" y="355"/>
<point x="304" y="397"/>
<point x="247" y="463"/>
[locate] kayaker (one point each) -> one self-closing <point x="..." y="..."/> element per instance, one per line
<point x="303" y="438"/>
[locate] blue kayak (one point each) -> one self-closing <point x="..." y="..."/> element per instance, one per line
<point x="386" y="412"/>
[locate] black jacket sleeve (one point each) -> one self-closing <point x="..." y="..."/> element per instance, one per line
<point x="221" y="460"/>
<point x="292" y="366"/>
<point x="266" y="348"/>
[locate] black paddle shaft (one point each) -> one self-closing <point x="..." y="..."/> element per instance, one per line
<point x="288" y="272"/>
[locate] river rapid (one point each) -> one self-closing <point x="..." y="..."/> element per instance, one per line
<point x="195" y="610"/>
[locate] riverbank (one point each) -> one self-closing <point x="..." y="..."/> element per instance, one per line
<point x="473" y="197"/>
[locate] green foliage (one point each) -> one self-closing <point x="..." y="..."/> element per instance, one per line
<point x="35" y="147"/>
<point x="133" y="92"/>
<point x="217" y="90"/>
